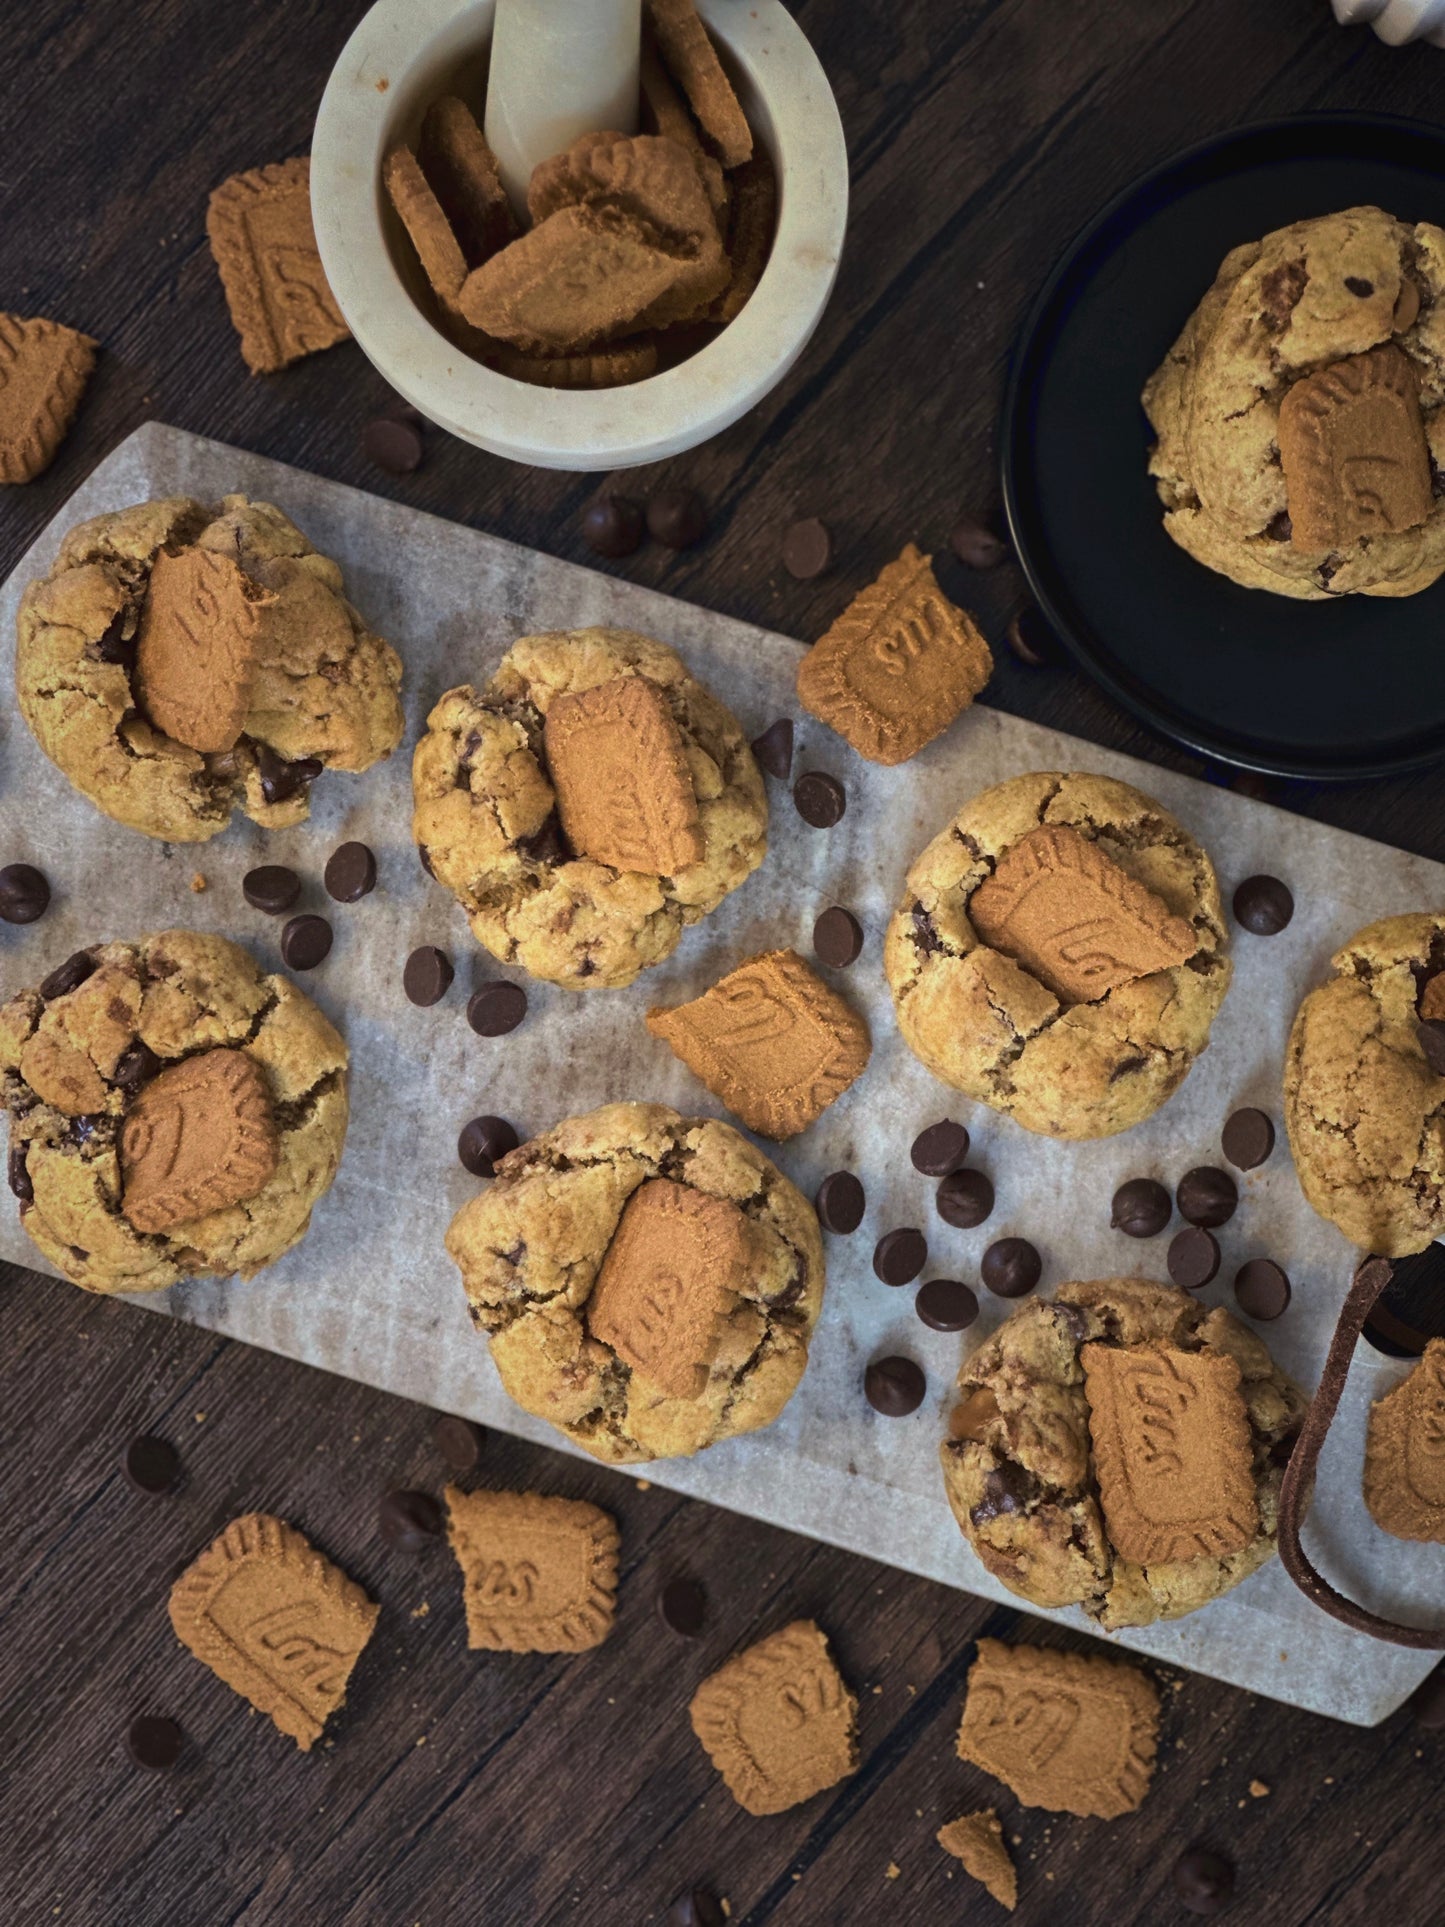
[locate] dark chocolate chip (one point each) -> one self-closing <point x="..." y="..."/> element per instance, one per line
<point x="975" y="546"/>
<point x="154" y="1742"/>
<point x="1427" y="1703"/>
<point x="1357" y="284"/>
<point x="839" y="1203"/>
<point x="1011" y="1268"/>
<point x="1193" y="1258"/>
<point x="1031" y="639"/>
<point x="965" y="1199"/>
<point x="1204" y="1881"/>
<point x="682" y="1604"/>
<point x="894" y="1386"/>
<point x="115" y="646"/>
<point x="1006" y="1488"/>
<point x="423" y="857"/>
<point x="1141" y="1208"/>
<point x="19" y="1176"/>
<point x="946" y="1305"/>
<point x="696" y="1908"/>
<point x="1248" y="1138"/>
<point x="69" y="976"/>
<point x="152" y="1465"/>
<point x="280" y="780"/>
<point x="482" y="1142"/>
<point x="350" y="873"/>
<point x="496" y="1007"/>
<point x="820" y="799"/>
<point x="1279" y="528"/>
<point x="272" y="888"/>
<point x="409" y="1520"/>
<point x="940" y="1149"/>
<point x="677" y="518"/>
<point x="305" y="942"/>
<point x="24" y="893"/>
<point x="1262" y="1289"/>
<point x="136" y="1065"/>
<point x="1207" y="1196"/>
<point x="614" y="526"/>
<point x="1431" y="1032"/>
<point x="1263" y="905"/>
<point x="393" y="445"/>
<point x="774" y="749"/>
<point x="459" y="1441"/>
<point x="427" y="975"/>
<point x="807" y="549"/>
<point x="900" y="1255"/>
<point x="838" y="937"/>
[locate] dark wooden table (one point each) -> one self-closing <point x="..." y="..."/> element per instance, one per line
<point x="486" y="1789"/>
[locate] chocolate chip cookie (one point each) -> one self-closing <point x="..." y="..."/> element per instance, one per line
<point x="1120" y="1449"/>
<point x="1300" y="415"/>
<point x="648" y="1282"/>
<point x="1060" y="953"/>
<point x="587" y="805"/>
<point x="1363" y="1103"/>
<point x="181" y="661"/>
<point x="173" y="1111"/>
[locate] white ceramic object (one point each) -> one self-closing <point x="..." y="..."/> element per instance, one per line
<point x="1396" y="21"/>
<point x="560" y="68"/>
<point x="406" y="52"/>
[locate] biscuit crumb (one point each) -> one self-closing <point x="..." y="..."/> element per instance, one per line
<point x="198" y="882"/>
<point x="893" y="1870"/>
<point x="1260" y="1789"/>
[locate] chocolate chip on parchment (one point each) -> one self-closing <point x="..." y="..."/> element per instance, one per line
<point x="894" y="1387"/>
<point x="677" y="518"/>
<point x="965" y="1199"/>
<point x="900" y="1255"/>
<point x="1248" y="1138"/>
<point x="614" y="526"/>
<point x="1141" y="1208"/>
<point x="682" y="1606"/>
<point x="839" y="1203"/>
<point x="838" y="937"/>
<point x="820" y="799"/>
<point x="459" y="1441"/>
<point x="482" y="1142"/>
<point x="975" y="546"/>
<point x="1263" y="905"/>
<point x="1207" y="1196"/>
<point x="350" y="873"/>
<point x="393" y="444"/>
<point x="1204" y="1881"/>
<point x="774" y="749"/>
<point x="154" y="1742"/>
<point x="807" y="549"/>
<point x="305" y="942"/>
<point x="1011" y="1268"/>
<point x="427" y="976"/>
<point x="136" y="1065"/>
<point x="940" y="1149"/>
<point x="496" y="1007"/>
<point x="151" y="1465"/>
<point x="1262" y="1289"/>
<point x="24" y="893"/>
<point x="946" y="1305"/>
<point x="409" y="1520"/>
<point x="272" y="888"/>
<point x="1193" y="1258"/>
<point x="68" y="976"/>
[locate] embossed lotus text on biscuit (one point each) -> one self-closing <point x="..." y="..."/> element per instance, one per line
<point x="200" y="1136"/>
<point x="619" y="767"/>
<point x="1353" y="449"/>
<point x="538" y="1575"/>
<point x="777" y="1721"/>
<point x="196" y="648"/>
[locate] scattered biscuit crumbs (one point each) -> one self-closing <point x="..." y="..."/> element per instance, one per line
<point x="877" y="1690"/>
<point x="198" y="883"/>
<point x="421" y="1739"/>
<point x="1260" y="1789"/>
<point x="893" y="1870"/>
<point x="200" y="1418"/>
<point x="644" y="1485"/>
<point x="910" y="1689"/>
<point x="421" y="1611"/>
<point x="1330" y="1778"/>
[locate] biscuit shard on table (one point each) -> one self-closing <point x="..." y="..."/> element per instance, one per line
<point x="624" y="791"/>
<point x="898" y="665"/>
<point x="1067" y="1731"/>
<point x="1080" y="924"/>
<point x="778" y="1721"/>
<point x="1173" y="1452"/>
<point x="196" y="645"/>
<point x="977" y="1840"/>
<point x="1353" y="449"/>
<point x="672" y="1273"/>
<point x="259" y="225"/>
<point x="770" y="1040"/>
<point x="44" y="369"/>
<point x="538" y="1575"/>
<point x="199" y="1137"/>
<point x="273" y="1619"/>
<point x="1405" y="1453"/>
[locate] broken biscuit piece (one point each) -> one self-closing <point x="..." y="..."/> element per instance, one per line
<point x="977" y="1840"/>
<point x="663" y="106"/>
<point x="614" y="367"/>
<point x="437" y="247"/>
<point x="44" y="369"/>
<point x="461" y="171"/>
<point x="1405" y="1453"/>
<point x="750" y="234"/>
<point x="778" y="1721"/>
<point x="692" y="61"/>
<point x="259" y="227"/>
<point x="539" y="1575"/>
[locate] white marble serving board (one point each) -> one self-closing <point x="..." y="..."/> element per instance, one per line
<point x="371" y="1293"/>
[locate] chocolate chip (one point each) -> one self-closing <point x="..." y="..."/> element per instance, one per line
<point x="280" y="780"/>
<point x="1279" y="528"/>
<point x="409" y="1520"/>
<point x="894" y="1386"/>
<point x="393" y="445"/>
<point x="459" y="1441"/>
<point x="774" y="749"/>
<point x="427" y="976"/>
<point x="1204" y="1881"/>
<point x="423" y="857"/>
<point x="1427" y="1703"/>
<point x="1193" y="1258"/>
<point x="495" y="1008"/>
<point x="152" y="1465"/>
<point x="677" y="518"/>
<point x="696" y="1908"/>
<point x="820" y="799"/>
<point x="946" y="1305"/>
<point x="614" y="526"/>
<point x="941" y="1149"/>
<point x="965" y="1199"/>
<point x="1011" y="1268"/>
<point x="115" y="646"/>
<point x="272" y="888"/>
<point x="136" y="1065"/>
<point x="1031" y="639"/>
<point x="900" y="1255"/>
<point x="350" y="873"/>
<point x="24" y="893"/>
<point x="839" y="1203"/>
<point x="1248" y="1139"/>
<point x="1207" y="1196"/>
<point x="975" y="546"/>
<point x="154" y="1742"/>
<point x="807" y="549"/>
<point x="1431" y="1032"/>
<point x="1357" y="284"/>
<point x="1263" y="905"/>
<point x="1141" y="1208"/>
<point x="69" y="976"/>
<point x="838" y="937"/>
<point x="482" y="1142"/>
<point x="18" y="1176"/>
<point x="1262" y="1289"/>
<point x="305" y="942"/>
<point x="682" y="1604"/>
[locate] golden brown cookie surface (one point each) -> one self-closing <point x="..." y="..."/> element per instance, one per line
<point x="777" y="1721"/>
<point x="539" y="1575"/>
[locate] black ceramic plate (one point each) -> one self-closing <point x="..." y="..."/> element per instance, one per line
<point x="1325" y="689"/>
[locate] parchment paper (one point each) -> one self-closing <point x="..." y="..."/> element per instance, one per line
<point x="371" y="1293"/>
